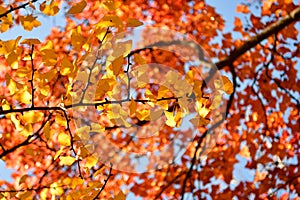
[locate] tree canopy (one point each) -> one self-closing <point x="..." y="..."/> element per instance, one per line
<point x="150" y="99"/>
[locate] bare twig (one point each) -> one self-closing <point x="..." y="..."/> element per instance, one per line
<point x="27" y="141"/>
<point x="105" y="182"/>
<point x="16" y="8"/>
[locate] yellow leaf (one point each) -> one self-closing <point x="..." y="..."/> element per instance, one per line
<point x="131" y="22"/>
<point x="111" y="5"/>
<point x="48" y="76"/>
<point x="49" y="57"/>
<point x="120" y="196"/>
<point x="217" y="99"/>
<point x="99" y="171"/>
<point x="25" y="195"/>
<point x="111" y="20"/>
<point x="23" y="96"/>
<point x="15" y="121"/>
<point x="56" y="189"/>
<point x="199" y="121"/>
<point x="227" y="85"/>
<point x="27" y="131"/>
<point x="23" y="71"/>
<point x="45" y="89"/>
<point x="31" y="41"/>
<point x="33" y="116"/>
<point x="77" y="40"/>
<point x="6" y="21"/>
<point x="12" y="60"/>
<point x="11" y="84"/>
<point x="64" y="139"/>
<point x="139" y="59"/>
<point x="23" y="179"/>
<point x="61" y="120"/>
<point x="170" y="119"/>
<point x="47" y="131"/>
<point x="77" y="7"/>
<point x="76" y="181"/>
<point x="67" y="160"/>
<point x="57" y="154"/>
<point x="49" y="9"/>
<point x="132" y="107"/>
<point x="66" y="67"/>
<point x="91" y="161"/>
<point x="29" y="22"/>
<point x="143" y="115"/>
<point x="83" y="152"/>
<point x="117" y="65"/>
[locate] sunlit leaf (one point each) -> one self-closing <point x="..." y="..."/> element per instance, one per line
<point x="131" y="22"/>
<point x="33" y="116"/>
<point x="49" y="57"/>
<point x="111" y="4"/>
<point x="47" y="131"/>
<point x="64" y="139"/>
<point x="227" y="85"/>
<point x="120" y="196"/>
<point x="67" y="160"/>
<point x="49" y="9"/>
<point x="77" y="7"/>
<point x="117" y="65"/>
<point x="29" y="22"/>
<point x="170" y="119"/>
<point x="91" y="161"/>
<point x="66" y="67"/>
<point x="23" y="179"/>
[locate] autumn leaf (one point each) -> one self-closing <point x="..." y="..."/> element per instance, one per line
<point x="117" y="65"/>
<point x="77" y="7"/>
<point x="29" y="22"/>
<point x="33" y="116"/>
<point x="131" y="22"/>
<point x="91" y="161"/>
<point x="227" y="85"/>
<point x="120" y="196"/>
<point x="111" y="5"/>
<point x="66" y="67"/>
<point x="31" y="41"/>
<point x="67" y="160"/>
<point x="49" y="9"/>
<point x="64" y="139"/>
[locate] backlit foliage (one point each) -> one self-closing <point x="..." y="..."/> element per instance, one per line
<point x="46" y="91"/>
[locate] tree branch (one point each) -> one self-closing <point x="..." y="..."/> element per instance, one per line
<point x="267" y="32"/>
<point x="16" y="8"/>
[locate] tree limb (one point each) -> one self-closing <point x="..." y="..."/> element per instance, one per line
<point x="16" y="8"/>
<point x="267" y="32"/>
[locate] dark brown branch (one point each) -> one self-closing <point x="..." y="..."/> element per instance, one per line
<point x="16" y="8"/>
<point x="56" y="108"/>
<point x="27" y="141"/>
<point x="32" y="75"/>
<point x="105" y="182"/>
<point x="198" y="147"/>
<point x="93" y="66"/>
<point x="32" y="189"/>
<point x="267" y="32"/>
<point x="72" y="142"/>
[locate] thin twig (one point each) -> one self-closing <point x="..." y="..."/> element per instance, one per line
<point x="105" y="182"/>
<point x="16" y="8"/>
